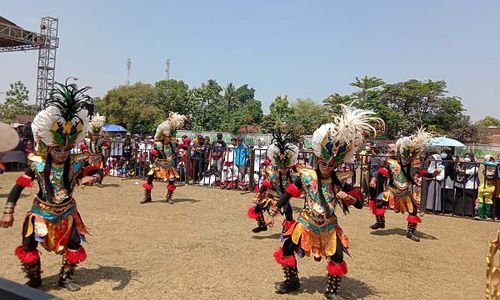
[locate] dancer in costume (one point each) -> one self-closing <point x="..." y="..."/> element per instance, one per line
<point x="402" y="171"/>
<point x="317" y="232"/>
<point x="277" y="174"/>
<point x="95" y="162"/>
<point x="165" y="157"/>
<point x="54" y="220"/>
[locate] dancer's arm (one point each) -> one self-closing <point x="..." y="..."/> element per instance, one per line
<point x="26" y="180"/>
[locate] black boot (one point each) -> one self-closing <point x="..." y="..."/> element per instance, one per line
<point x="261" y="224"/>
<point x="291" y="282"/>
<point x="379" y="223"/>
<point x="332" y="287"/>
<point x="33" y="273"/>
<point x="412" y="227"/>
<point x="65" y="274"/>
<point x="147" y="197"/>
<point x="169" y="196"/>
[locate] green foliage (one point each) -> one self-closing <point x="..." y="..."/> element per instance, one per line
<point x="308" y="115"/>
<point x="135" y="107"/>
<point x="279" y="112"/>
<point x="489" y="121"/>
<point x="16" y="103"/>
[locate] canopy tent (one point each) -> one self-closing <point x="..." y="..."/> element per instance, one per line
<point x="444" y="142"/>
<point x="113" y="128"/>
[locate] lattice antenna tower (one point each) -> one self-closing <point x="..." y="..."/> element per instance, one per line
<point x="167" y="69"/>
<point x="48" y="43"/>
<point x="129" y="66"/>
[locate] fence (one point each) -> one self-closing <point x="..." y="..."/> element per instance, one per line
<point x="454" y="191"/>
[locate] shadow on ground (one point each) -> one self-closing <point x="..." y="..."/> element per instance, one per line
<point x="273" y="236"/>
<point x="402" y="232"/>
<point x="87" y="277"/>
<point x="350" y="288"/>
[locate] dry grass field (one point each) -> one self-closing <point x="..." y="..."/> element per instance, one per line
<point x="201" y="247"/>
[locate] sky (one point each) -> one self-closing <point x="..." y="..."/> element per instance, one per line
<point x="303" y="49"/>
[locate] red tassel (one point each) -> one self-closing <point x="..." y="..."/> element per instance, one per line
<point x="147" y="186"/>
<point x="171" y="187"/>
<point x="267" y="183"/>
<point x="335" y="269"/>
<point x="371" y="205"/>
<point x="384" y="172"/>
<point x="413" y="219"/>
<point x="154" y="152"/>
<point x="255" y="188"/>
<point x="75" y="256"/>
<point x="288" y="224"/>
<point x="26" y="256"/>
<point x="24" y="182"/>
<point x="354" y="194"/>
<point x="293" y="190"/>
<point x="267" y="163"/>
<point x="87" y="170"/>
<point x="252" y="214"/>
<point x="379" y="211"/>
<point x="421" y="173"/>
<point x="288" y="261"/>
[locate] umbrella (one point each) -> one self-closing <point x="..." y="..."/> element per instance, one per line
<point x="9" y="137"/>
<point x="113" y="128"/>
<point x="444" y="142"/>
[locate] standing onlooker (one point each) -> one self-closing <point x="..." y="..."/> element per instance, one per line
<point x="449" y="186"/>
<point x="436" y="184"/>
<point x="198" y="158"/>
<point x="493" y="167"/>
<point x="241" y="158"/>
<point x="217" y="153"/>
<point x="260" y="155"/>
<point x="229" y="171"/>
<point x="485" y="198"/>
<point x="206" y="155"/>
<point x="466" y="185"/>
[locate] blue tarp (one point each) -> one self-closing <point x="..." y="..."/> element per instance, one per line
<point x="113" y="128"/>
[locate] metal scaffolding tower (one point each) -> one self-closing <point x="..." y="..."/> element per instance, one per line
<point x="46" y="59"/>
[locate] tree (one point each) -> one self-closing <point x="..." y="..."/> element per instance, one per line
<point x="308" y="115"/>
<point x="368" y="95"/>
<point x="333" y="103"/>
<point x="488" y="121"/>
<point x="279" y="112"/>
<point x="134" y="106"/>
<point x="209" y="109"/>
<point x="16" y="103"/>
<point x="173" y="95"/>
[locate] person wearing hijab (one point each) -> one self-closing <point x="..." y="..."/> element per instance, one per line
<point x="466" y="185"/>
<point x="434" y="190"/>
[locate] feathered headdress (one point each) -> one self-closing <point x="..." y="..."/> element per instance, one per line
<point x="409" y="148"/>
<point x="170" y="126"/>
<point x="96" y="124"/>
<point x="340" y="139"/>
<point x="64" y="121"/>
<point x="283" y="152"/>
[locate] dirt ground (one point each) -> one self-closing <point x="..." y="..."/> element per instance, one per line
<point x="202" y="247"/>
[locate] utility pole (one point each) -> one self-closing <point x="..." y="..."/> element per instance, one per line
<point x="167" y="69"/>
<point x="129" y="65"/>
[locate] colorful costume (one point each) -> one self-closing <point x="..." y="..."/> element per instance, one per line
<point x="317" y="232"/>
<point x="164" y="157"/>
<point x="95" y="162"/>
<point x="402" y="170"/>
<point x="54" y="220"/>
<point x="277" y="175"/>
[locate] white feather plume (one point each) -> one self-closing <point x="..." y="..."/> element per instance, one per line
<point x="97" y="123"/>
<point x="173" y="122"/>
<point x="292" y="153"/>
<point x="416" y="142"/>
<point x="319" y="135"/>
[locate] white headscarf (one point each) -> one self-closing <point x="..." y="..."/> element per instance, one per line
<point x="435" y="164"/>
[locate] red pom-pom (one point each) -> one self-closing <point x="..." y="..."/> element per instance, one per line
<point x="267" y="183"/>
<point x="171" y="187"/>
<point x="335" y="269"/>
<point x="293" y="190"/>
<point x="288" y="224"/>
<point x="154" y="152"/>
<point x="75" y="256"/>
<point x="354" y="194"/>
<point x="267" y="163"/>
<point x="379" y="211"/>
<point x="371" y="205"/>
<point x="413" y="219"/>
<point x="288" y="261"/>
<point x="87" y="170"/>
<point x="24" y="182"/>
<point x="255" y="188"/>
<point x="252" y="214"/>
<point x="384" y="172"/>
<point x="421" y="173"/>
<point x="26" y="256"/>
<point x="147" y="186"/>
